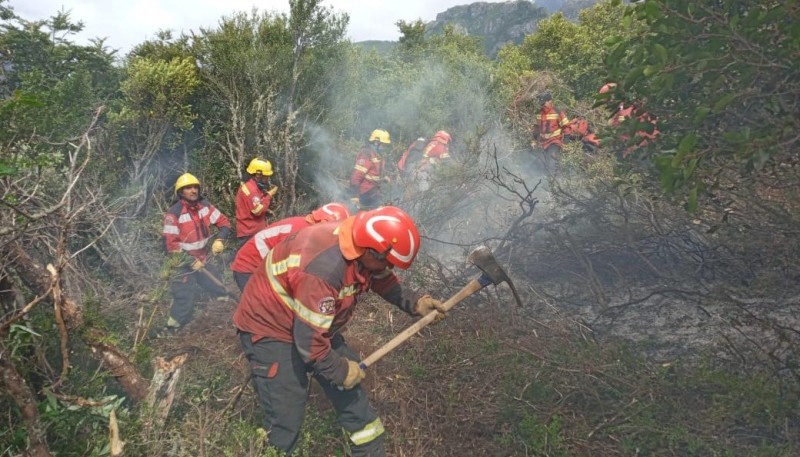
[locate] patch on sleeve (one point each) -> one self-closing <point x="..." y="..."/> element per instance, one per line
<point x="169" y="219"/>
<point x="327" y="305"/>
<point x="361" y="161"/>
<point x="256" y="200"/>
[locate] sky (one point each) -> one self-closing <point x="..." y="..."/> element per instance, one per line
<point x="126" y="23"/>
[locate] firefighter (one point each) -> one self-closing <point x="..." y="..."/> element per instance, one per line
<point x="647" y="130"/>
<point x="253" y="199"/>
<point x="187" y="235"/>
<point x="436" y="151"/>
<point x="293" y="310"/>
<point x="622" y="111"/>
<point x="549" y="130"/>
<point x="365" y="182"/>
<point x="252" y="253"/>
<point x="411" y="157"/>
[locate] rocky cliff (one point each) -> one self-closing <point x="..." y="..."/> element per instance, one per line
<point x="497" y="23"/>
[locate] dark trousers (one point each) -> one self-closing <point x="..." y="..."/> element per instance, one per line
<point x="370" y="199"/>
<point x="280" y="378"/>
<point x="184" y="288"/>
<point x="549" y="158"/>
<point x="241" y="279"/>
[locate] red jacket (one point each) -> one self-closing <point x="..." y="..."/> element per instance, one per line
<point x="307" y="291"/>
<point x="187" y="227"/>
<point x="551" y="126"/>
<point x="434" y="153"/>
<point x="368" y="170"/>
<point x="251" y="255"/>
<point x="251" y="208"/>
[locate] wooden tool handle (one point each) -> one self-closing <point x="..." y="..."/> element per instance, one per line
<point x="219" y="283"/>
<point x="471" y="287"/>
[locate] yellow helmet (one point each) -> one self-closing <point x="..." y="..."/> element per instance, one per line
<point x="186" y="179"/>
<point x="260" y="166"/>
<point x="380" y="135"/>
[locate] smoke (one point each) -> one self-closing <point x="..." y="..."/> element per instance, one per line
<point x="460" y="205"/>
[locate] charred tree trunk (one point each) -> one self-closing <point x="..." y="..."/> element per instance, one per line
<point x="22" y="395"/>
<point x="134" y="385"/>
<point x="162" y="388"/>
<point x="39" y="280"/>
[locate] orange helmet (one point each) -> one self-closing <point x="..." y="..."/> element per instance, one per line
<point x="330" y="212"/>
<point x="607" y="87"/>
<point x="442" y="136"/>
<point x="389" y="231"/>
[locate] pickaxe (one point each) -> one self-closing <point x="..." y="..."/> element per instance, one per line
<point x="219" y="283"/>
<point x="491" y="273"/>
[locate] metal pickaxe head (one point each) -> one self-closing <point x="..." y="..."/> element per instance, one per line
<point x="492" y="272"/>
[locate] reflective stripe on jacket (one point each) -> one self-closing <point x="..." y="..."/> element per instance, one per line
<point x="551" y="127"/>
<point x="434" y="153"/>
<point x="306" y="291"/>
<point x="367" y="171"/>
<point x="251" y="208"/>
<point x="250" y="256"/>
<point x="187" y="227"/>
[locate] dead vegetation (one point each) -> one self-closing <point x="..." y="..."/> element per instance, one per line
<point x="641" y="322"/>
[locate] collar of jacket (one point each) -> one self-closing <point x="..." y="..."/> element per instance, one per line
<point x="191" y="206"/>
<point x="345" y="231"/>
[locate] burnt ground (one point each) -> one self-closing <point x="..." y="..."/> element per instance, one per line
<point x="490" y="371"/>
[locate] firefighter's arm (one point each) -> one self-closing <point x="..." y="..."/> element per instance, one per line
<point x="314" y="306"/>
<point x="388" y="286"/>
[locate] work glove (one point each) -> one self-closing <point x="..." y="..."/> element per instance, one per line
<point x="356" y="202"/>
<point x="354" y="375"/>
<point x="427" y="304"/>
<point x="197" y="264"/>
<point x="272" y="191"/>
<point x="217" y="246"/>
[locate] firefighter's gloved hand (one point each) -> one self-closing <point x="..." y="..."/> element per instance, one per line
<point x="217" y="246"/>
<point x="197" y="265"/>
<point x="356" y="202"/>
<point x="354" y="375"/>
<point x="272" y="191"/>
<point x="427" y="304"/>
<point x="534" y="144"/>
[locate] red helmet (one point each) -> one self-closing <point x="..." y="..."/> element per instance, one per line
<point x="607" y="87"/>
<point x="442" y="136"/>
<point x="330" y="212"/>
<point x="389" y="231"/>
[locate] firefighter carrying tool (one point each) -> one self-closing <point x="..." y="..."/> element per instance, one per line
<point x="368" y="172"/>
<point x="187" y="234"/>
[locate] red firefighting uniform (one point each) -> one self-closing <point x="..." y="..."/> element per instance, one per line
<point x="434" y="153"/>
<point x="251" y="209"/>
<point x="251" y="255"/>
<point x="551" y="127"/>
<point x="411" y="156"/>
<point x="289" y="319"/>
<point x="366" y="178"/>
<point x="187" y="228"/>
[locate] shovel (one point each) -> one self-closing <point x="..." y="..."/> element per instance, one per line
<point x="491" y="273"/>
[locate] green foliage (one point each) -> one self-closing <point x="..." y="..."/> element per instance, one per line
<point x="80" y="430"/>
<point x="159" y="89"/>
<point x="575" y="52"/>
<point x="542" y="438"/>
<point x="722" y="79"/>
<point x="49" y="86"/>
